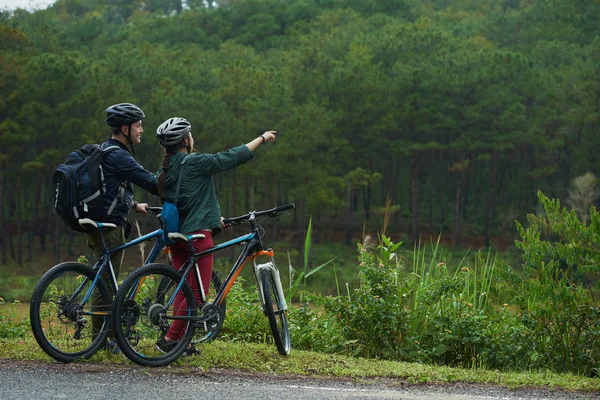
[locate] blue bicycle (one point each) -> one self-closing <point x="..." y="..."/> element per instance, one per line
<point x="70" y="293"/>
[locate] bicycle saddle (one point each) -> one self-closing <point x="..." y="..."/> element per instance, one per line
<point x="88" y="223"/>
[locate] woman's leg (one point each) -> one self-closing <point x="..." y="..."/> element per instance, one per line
<point x="179" y="255"/>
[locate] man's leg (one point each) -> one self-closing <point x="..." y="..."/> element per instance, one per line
<point x="113" y="238"/>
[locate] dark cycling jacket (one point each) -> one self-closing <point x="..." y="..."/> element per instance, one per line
<point x="121" y="172"/>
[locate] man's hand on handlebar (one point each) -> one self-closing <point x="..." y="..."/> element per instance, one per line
<point x="141" y="208"/>
<point x="153" y="210"/>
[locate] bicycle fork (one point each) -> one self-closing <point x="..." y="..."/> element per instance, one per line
<point x="271" y="267"/>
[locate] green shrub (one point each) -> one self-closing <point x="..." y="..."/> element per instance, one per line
<point x="561" y="254"/>
<point x="245" y="320"/>
<point x="11" y="326"/>
<point x="311" y="328"/>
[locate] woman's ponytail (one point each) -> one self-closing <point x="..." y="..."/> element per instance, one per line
<point x="162" y="177"/>
<point x="169" y="152"/>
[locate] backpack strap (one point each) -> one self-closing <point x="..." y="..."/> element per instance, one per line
<point x="179" y="180"/>
<point x="119" y="196"/>
<point x="120" y="190"/>
<point x="106" y="150"/>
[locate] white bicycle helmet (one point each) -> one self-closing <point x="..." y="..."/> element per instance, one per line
<point x="172" y="131"/>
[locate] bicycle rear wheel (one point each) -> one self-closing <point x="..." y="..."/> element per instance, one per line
<point x="276" y="315"/>
<point x="60" y="314"/>
<point x="208" y="331"/>
<point x="144" y="312"/>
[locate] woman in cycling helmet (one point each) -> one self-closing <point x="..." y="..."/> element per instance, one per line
<point x="197" y="203"/>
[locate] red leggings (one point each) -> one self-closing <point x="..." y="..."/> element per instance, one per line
<point x="179" y="255"/>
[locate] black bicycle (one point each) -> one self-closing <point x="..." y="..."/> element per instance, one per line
<point x="70" y="293"/>
<point x="155" y="296"/>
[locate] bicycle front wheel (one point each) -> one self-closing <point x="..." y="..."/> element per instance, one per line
<point x="274" y="312"/>
<point x="151" y="302"/>
<point x="61" y="312"/>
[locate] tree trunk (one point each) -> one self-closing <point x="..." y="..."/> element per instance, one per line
<point x="11" y="244"/>
<point x="442" y="207"/>
<point x="46" y="228"/>
<point x="367" y="194"/>
<point x="349" y="218"/>
<point x="56" y="240"/>
<point x="70" y="250"/>
<point x="37" y="220"/>
<point x="367" y="200"/>
<point x="414" y="195"/>
<point x="247" y="195"/>
<point x="461" y="185"/>
<point x="43" y="232"/>
<point x="465" y="200"/>
<point x="398" y="220"/>
<point x="234" y="190"/>
<point x="274" y="221"/>
<point x="456" y="235"/>
<point x="490" y="204"/>
<point x="3" y="233"/>
<point x="19" y="216"/>
<point x="300" y="227"/>
<point x="442" y="190"/>
<point x="11" y="226"/>
<point x="30" y="246"/>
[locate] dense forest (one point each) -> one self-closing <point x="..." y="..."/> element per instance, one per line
<point x="449" y="113"/>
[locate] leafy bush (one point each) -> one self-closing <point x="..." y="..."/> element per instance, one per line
<point x="560" y="313"/>
<point x="311" y="328"/>
<point x="459" y="315"/>
<point x="427" y="315"/>
<point x="11" y="326"/>
<point x="245" y="320"/>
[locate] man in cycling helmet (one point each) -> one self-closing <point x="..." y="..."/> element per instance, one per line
<point x="121" y="172"/>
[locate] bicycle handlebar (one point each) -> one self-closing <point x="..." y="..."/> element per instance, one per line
<point x="273" y="212"/>
<point x="154" y="210"/>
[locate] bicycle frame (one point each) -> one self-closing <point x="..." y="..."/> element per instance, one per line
<point x="253" y="249"/>
<point x="105" y="260"/>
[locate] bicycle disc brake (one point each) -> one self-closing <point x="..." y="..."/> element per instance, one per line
<point x="73" y="313"/>
<point x="129" y="318"/>
<point x="158" y="316"/>
<point x="131" y="313"/>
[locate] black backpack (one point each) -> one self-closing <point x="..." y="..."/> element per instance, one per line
<point x="79" y="186"/>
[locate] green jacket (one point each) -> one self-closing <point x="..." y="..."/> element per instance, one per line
<point x="197" y="204"/>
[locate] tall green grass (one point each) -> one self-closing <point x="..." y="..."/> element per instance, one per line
<point x="301" y="277"/>
<point x="474" y="311"/>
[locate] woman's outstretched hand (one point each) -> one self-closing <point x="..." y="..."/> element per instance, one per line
<point x="269" y="136"/>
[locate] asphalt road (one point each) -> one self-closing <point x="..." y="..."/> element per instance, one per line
<point x="37" y="380"/>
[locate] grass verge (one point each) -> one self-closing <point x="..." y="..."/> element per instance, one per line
<point x="264" y="359"/>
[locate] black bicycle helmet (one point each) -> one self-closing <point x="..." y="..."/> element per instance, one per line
<point x="121" y="114"/>
<point x="172" y="131"/>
